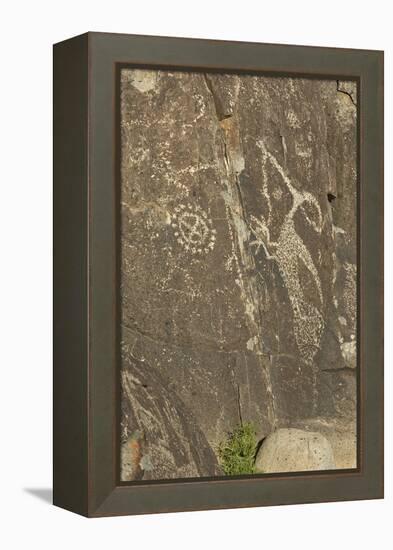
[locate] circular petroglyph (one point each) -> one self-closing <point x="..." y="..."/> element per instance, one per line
<point x="277" y="194"/>
<point x="193" y="229"/>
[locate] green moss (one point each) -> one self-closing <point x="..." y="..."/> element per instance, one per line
<point x="237" y="453"/>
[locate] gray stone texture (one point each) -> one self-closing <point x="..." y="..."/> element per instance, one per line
<point x="292" y="450"/>
<point x="238" y="264"/>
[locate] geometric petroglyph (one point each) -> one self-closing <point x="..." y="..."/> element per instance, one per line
<point x="193" y="229"/>
<point x="287" y="251"/>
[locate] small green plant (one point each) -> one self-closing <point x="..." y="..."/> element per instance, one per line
<point x="237" y="453"/>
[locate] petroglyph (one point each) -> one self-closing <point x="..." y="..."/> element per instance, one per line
<point x="193" y="229"/>
<point x="293" y="120"/>
<point x="238" y="264"/>
<point x="349" y="292"/>
<point x="287" y="251"/>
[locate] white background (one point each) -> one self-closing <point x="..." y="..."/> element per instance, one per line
<point x="28" y="29"/>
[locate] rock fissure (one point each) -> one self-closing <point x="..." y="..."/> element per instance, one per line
<point x="346" y="93"/>
<point x="217" y="106"/>
<point x="241" y="229"/>
<point x="239" y="403"/>
<point x="183" y="347"/>
<point x="348" y="370"/>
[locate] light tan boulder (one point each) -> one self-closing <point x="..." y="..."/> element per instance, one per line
<point x="293" y="450"/>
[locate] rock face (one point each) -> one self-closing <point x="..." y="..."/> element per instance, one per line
<point x="238" y="263"/>
<point x="291" y="450"/>
<point x="160" y="439"/>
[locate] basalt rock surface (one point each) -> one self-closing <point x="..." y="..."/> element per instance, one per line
<point x="238" y="263"/>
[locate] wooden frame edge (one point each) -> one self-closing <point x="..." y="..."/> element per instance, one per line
<point x="103" y="497"/>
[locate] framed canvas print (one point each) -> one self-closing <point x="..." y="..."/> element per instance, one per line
<point x="218" y="274"/>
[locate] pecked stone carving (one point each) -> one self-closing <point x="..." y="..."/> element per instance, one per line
<point x="238" y="264"/>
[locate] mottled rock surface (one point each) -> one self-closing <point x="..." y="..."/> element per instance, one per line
<point x="238" y="263"/>
<point x="292" y="450"/>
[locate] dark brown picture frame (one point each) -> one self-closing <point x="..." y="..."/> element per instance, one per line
<point x="86" y="275"/>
